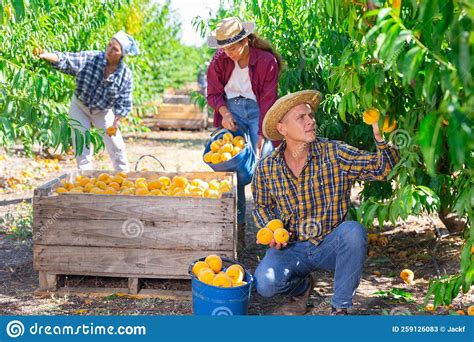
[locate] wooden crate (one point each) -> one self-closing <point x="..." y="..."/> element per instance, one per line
<point x="129" y="236"/>
<point x="179" y="115"/>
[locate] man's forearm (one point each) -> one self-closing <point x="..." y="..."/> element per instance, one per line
<point x="261" y="216"/>
<point x="377" y="135"/>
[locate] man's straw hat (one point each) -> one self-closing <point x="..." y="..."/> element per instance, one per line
<point x="281" y="106"/>
<point x="229" y="31"/>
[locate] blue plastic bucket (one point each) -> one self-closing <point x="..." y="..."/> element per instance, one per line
<point x="243" y="163"/>
<point x="217" y="301"/>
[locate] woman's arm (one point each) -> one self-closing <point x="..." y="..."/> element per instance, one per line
<point x="215" y="86"/>
<point x="269" y="93"/>
<point x="69" y="62"/>
<point x="49" y="57"/>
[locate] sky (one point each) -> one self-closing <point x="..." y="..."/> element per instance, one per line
<point x="186" y="11"/>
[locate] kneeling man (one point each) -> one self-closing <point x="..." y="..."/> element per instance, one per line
<point x="306" y="183"/>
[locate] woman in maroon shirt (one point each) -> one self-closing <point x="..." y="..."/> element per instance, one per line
<point x="242" y="85"/>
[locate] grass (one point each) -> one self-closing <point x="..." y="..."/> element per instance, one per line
<point x="17" y="224"/>
<point x="395" y="295"/>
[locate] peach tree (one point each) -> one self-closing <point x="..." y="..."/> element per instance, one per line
<point x="411" y="61"/>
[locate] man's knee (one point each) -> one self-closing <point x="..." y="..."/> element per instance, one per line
<point x="353" y="233"/>
<point x="265" y="281"/>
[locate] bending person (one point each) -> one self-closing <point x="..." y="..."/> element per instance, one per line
<point x="103" y="94"/>
<point x="242" y="85"/>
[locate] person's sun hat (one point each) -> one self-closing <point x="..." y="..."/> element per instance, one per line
<point x="229" y="31"/>
<point x="281" y="106"/>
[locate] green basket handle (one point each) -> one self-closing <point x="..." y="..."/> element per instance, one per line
<point x="151" y="156"/>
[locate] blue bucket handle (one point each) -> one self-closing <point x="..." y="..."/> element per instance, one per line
<point x="217" y="131"/>
<point x="190" y="268"/>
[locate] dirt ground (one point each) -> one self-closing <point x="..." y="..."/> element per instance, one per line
<point x="427" y="254"/>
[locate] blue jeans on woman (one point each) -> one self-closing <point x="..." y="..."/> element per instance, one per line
<point x="246" y="115"/>
<point x="343" y="251"/>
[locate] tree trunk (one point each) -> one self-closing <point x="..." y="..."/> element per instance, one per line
<point x="453" y="223"/>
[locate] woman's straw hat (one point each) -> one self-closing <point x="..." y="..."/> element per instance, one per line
<point x="281" y="106"/>
<point x="229" y="31"/>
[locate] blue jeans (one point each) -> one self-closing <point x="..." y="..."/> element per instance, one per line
<point x="246" y="115"/>
<point x="343" y="251"/>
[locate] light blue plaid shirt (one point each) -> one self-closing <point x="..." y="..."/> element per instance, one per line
<point x="93" y="89"/>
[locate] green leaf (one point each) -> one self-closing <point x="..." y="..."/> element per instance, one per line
<point x="382" y="215"/>
<point x="456" y="142"/>
<point x="439" y="294"/>
<point x="342" y="109"/>
<point x="429" y="83"/>
<point x="18" y="80"/>
<point x="379" y="78"/>
<point x="368" y="100"/>
<point x="411" y="63"/>
<point x="457" y="286"/>
<point x="430" y="140"/>
<point x="447" y="10"/>
<point x="355" y="83"/>
<point x="465" y="258"/>
<point x="469" y="276"/>
<point x="19" y="6"/>
<point x="427" y="11"/>
<point x="369" y="215"/>
<point x="386" y="50"/>
<point x="448" y="296"/>
<point x="432" y="289"/>
<point x="466" y="285"/>
<point x="351" y="102"/>
<point x="79" y="141"/>
<point x="394" y="211"/>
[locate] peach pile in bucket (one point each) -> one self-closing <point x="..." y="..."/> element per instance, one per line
<point x="224" y="149"/>
<point x="120" y="184"/>
<point x="211" y="272"/>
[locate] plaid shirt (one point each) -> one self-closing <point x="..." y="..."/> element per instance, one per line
<point x="95" y="91"/>
<point x="317" y="201"/>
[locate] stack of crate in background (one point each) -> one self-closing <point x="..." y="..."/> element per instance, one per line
<point x="176" y="111"/>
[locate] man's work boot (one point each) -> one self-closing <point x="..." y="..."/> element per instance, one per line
<point x="297" y="305"/>
<point x="338" y="312"/>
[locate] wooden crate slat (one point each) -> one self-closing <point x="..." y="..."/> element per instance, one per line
<point x="189" y="110"/>
<point x="181" y="116"/>
<point x="177" y="99"/>
<point x="84" y="206"/>
<point x="130" y="234"/>
<point x="98" y="292"/>
<point x="177" y="108"/>
<point x="185" y="124"/>
<point x="113" y="261"/>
